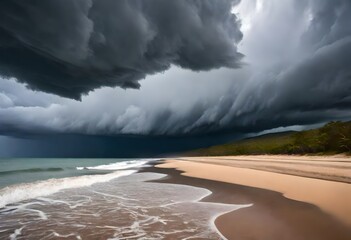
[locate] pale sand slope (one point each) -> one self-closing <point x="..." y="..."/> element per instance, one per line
<point x="315" y="180"/>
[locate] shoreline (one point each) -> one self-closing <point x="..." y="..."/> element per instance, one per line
<point x="317" y="188"/>
<point x="272" y="216"/>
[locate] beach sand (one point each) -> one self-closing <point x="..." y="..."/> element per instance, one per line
<point x="292" y="197"/>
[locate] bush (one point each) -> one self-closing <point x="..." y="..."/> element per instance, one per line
<point x="334" y="137"/>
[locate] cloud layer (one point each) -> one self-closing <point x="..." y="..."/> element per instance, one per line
<point x="297" y="72"/>
<point x="72" y="47"/>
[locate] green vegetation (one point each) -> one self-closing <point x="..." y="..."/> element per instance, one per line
<point x="333" y="138"/>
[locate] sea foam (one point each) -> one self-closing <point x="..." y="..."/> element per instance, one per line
<point x="25" y="191"/>
<point x="119" y="165"/>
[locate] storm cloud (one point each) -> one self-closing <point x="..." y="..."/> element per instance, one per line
<point x="72" y="47"/>
<point x="297" y="72"/>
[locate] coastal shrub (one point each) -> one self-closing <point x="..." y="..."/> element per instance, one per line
<point x="334" y="137"/>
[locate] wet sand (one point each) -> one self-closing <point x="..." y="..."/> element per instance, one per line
<point x="286" y="205"/>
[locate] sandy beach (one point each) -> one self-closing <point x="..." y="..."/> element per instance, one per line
<point x="293" y="197"/>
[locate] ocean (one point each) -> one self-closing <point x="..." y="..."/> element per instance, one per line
<point x="100" y="199"/>
<point x="25" y="170"/>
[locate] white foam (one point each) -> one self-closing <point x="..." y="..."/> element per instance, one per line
<point x="27" y="191"/>
<point x="214" y="217"/>
<point x="17" y="232"/>
<point x="66" y="236"/>
<point x="230" y="207"/>
<point x="119" y="165"/>
<point x="142" y="204"/>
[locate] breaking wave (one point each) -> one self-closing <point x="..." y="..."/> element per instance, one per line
<point x="25" y="191"/>
<point x="119" y="165"/>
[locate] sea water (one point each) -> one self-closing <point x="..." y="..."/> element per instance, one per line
<point x="24" y="170"/>
<point x="101" y="199"/>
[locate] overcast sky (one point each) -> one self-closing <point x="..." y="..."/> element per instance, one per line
<point x="171" y="68"/>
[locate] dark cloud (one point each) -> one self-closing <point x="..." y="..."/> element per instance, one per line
<point x="313" y="87"/>
<point x="82" y="146"/>
<point x="330" y="21"/>
<point x="72" y="47"/>
<point x="302" y="79"/>
<point x="315" y="90"/>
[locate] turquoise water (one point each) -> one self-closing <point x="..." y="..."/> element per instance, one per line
<point x="100" y="199"/>
<point x="24" y="170"/>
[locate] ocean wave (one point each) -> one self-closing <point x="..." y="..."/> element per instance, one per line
<point x="25" y="191"/>
<point x="119" y="165"/>
<point x="31" y="170"/>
